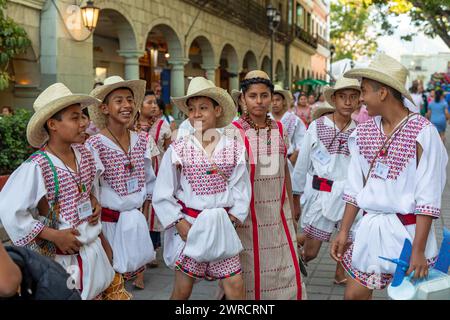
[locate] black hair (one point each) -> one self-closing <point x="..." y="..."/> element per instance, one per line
<point x="214" y="102"/>
<point x="438" y="96"/>
<point x="377" y="86"/>
<point x="106" y="99"/>
<point x="282" y="96"/>
<point x="86" y="112"/>
<point x="415" y="87"/>
<point x="149" y="93"/>
<point x="161" y="105"/>
<point x="246" y="83"/>
<point x="57" y="116"/>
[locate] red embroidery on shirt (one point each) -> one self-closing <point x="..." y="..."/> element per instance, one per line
<point x="116" y="174"/>
<point x="197" y="168"/>
<point x="326" y="134"/>
<point x="69" y="197"/>
<point x="402" y="150"/>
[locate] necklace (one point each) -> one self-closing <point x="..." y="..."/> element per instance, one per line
<point x="391" y="137"/>
<point x="268" y="125"/>
<point x="336" y="134"/>
<point x="81" y="186"/>
<point x="129" y="164"/>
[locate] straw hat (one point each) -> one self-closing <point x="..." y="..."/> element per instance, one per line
<point x="236" y="94"/>
<point x="386" y="70"/>
<point x="256" y="74"/>
<point x="109" y="85"/>
<point x="201" y="87"/>
<point x="286" y="94"/>
<point x="341" y="83"/>
<point x="52" y="100"/>
<point x="322" y="110"/>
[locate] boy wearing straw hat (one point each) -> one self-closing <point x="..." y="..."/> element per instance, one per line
<point x="49" y="203"/>
<point x="128" y="179"/>
<point x="321" y="170"/>
<point x="295" y="128"/>
<point x="201" y="174"/>
<point x="390" y="179"/>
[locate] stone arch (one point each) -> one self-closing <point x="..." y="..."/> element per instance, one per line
<point x="249" y="62"/>
<point x="170" y="35"/>
<point x="201" y="59"/>
<point x="115" y="45"/>
<point x="279" y="73"/>
<point x="229" y="68"/>
<point x="265" y="65"/>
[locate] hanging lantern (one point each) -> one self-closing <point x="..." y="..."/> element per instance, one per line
<point x="90" y="14"/>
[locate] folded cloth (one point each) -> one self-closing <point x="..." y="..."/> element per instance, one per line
<point x="212" y="237"/>
<point x="132" y="245"/>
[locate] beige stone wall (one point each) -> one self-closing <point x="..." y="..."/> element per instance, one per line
<point x="73" y="61"/>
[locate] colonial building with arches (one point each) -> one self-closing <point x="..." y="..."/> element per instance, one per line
<point x="165" y="41"/>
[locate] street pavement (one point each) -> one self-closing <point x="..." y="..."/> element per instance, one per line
<point x="319" y="283"/>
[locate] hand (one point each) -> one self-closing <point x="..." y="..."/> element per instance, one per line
<point x="418" y="264"/>
<point x="97" y="210"/>
<point x="183" y="228"/>
<point x="67" y="242"/>
<point x="338" y="246"/>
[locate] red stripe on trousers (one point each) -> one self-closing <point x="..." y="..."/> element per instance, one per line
<point x="256" y="268"/>
<point x="158" y="131"/>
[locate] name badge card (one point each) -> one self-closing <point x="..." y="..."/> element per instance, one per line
<point x="84" y="209"/>
<point x="133" y="185"/>
<point x="322" y="156"/>
<point x="381" y="170"/>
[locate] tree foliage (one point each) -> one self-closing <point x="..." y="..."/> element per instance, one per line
<point x="349" y="31"/>
<point x="13" y="140"/>
<point x="429" y="16"/>
<point x="13" y="41"/>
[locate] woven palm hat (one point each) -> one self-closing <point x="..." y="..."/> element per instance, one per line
<point x="109" y="85"/>
<point x="286" y="94"/>
<point x="341" y="84"/>
<point x="386" y="70"/>
<point x="236" y="94"/>
<point x="322" y="110"/>
<point x="52" y="100"/>
<point x="202" y="87"/>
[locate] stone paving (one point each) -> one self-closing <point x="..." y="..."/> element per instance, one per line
<point x="319" y="283"/>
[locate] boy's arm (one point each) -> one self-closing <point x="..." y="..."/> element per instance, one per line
<point x="241" y="189"/>
<point x="10" y="274"/>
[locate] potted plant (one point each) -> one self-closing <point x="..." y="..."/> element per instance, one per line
<point x="14" y="147"/>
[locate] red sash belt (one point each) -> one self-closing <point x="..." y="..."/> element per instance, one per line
<point x="192" y="212"/>
<point x="80" y="265"/>
<point x="109" y="215"/>
<point x="322" y="184"/>
<point x="405" y="219"/>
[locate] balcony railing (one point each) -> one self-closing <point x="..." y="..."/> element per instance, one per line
<point x="305" y="37"/>
<point x="324" y="43"/>
<point x="250" y="14"/>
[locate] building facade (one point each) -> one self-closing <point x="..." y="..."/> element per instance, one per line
<point x="166" y="41"/>
<point x="422" y="66"/>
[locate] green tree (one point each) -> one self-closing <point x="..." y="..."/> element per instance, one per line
<point x="429" y="16"/>
<point x="350" y="31"/>
<point x="13" y="41"/>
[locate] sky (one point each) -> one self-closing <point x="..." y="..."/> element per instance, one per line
<point x="395" y="47"/>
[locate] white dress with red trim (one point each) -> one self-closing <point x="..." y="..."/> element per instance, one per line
<point x="123" y="189"/>
<point x="394" y="194"/>
<point x="160" y="131"/>
<point x="295" y="129"/>
<point x="269" y="260"/>
<point x="34" y="180"/>
<point x="320" y="176"/>
<point x="190" y="182"/>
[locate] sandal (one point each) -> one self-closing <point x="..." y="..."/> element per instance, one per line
<point x="139" y="284"/>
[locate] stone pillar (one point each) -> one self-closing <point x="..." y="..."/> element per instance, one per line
<point x="131" y="63"/>
<point x="210" y="72"/>
<point x="177" y="82"/>
<point x="234" y="80"/>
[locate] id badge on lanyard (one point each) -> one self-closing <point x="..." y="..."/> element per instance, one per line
<point x="381" y="170"/>
<point x="84" y="209"/>
<point x="132" y="185"/>
<point x="322" y="156"/>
